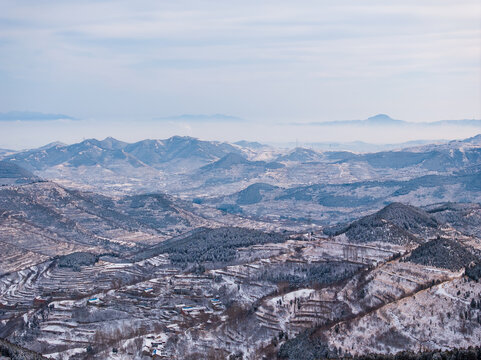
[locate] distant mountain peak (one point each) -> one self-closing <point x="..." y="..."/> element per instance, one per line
<point x="112" y="143"/>
<point x="300" y="154"/>
<point x="303" y="150"/>
<point x="380" y="116"/>
<point x="382" y="119"/>
<point x="181" y="138"/>
<point x="51" y="145"/>
<point x="250" y="144"/>
<point x="110" y="138"/>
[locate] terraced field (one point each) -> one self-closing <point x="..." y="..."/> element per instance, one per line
<point x="133" y="277"/>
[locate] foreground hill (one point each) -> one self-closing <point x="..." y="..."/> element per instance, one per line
<point x="230" y="291"/>
<point x="11" y="351"/>
<point x="462" y="216"/>
<point x="42" y="219"/>
<point x="442" y="253"/>
<point x="396" y="223"/>
<point x="136" y="272"/>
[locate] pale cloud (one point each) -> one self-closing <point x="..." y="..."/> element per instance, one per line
<point x="268" y="61"/>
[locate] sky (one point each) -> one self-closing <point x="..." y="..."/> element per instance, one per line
<point x="130" y="68"/>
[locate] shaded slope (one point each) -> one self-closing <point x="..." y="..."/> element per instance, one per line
<point x="210" y="245"/>
<point x="233" y="159"/>
<point x="103" y="152"/>
<point x="464" y="217"/>
<point x="410" y="218"/>
<point x="48" y="219"/>
<point x="442" y="253"/>
<point x="253" y="193"/>
<point x="11" y="173"/>
<point x="301" y="155"/>
<point x="157" y="152"/>
<point x="396" y="223"/>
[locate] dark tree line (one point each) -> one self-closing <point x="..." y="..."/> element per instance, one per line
<point x="217" y="245"/>
<point x="474" y="271"/>
<point x="16" y="352"/>
<point x="299" y="275"/>
<point x="442" y="253"/>
<point x="472" y="353"/>
<point x="77" y="259"/>
<point x="305" y="346"/>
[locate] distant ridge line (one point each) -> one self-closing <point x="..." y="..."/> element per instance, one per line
<point x="385" y="120"/>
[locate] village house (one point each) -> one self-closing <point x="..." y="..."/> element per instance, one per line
<point x="94" y="301"/>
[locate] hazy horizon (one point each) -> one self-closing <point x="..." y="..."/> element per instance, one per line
<point x="17" y="135"/>
<point x="116" y="66"/>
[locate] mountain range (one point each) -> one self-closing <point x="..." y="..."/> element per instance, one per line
<point x="386" y="120"/>
<point x="32" y="116"/>
<point x="154" y="153"/>
<point x="160" y="248"/>
<point x="333" y="185"/>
